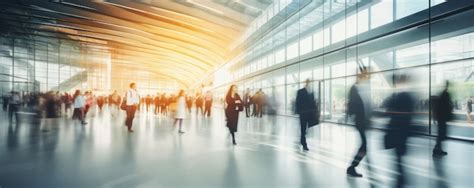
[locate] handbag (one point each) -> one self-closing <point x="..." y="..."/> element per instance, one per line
<point x="123" y="106"/>
<point x="314" y="114"/>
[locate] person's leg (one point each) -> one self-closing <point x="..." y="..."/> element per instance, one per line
<point x="258" y="111"/>
<point x="181" y="126"/>
<point x="10" y="113"/>
<point x="233" y="137"/>
<point x="362" y="150"/>
<point x="132" y="113"/>
<point x="127" y="119"/>
<point x="438" y="149"/>
<point x="210" y="108"/>
<point x="81" y="116"/>
<point x="254" y="110"/>
<point x="246" y="111"/>
<point x="303" y="127"/>
<point x="399" y="166"/>
<point x="359" y="156"/>
<point x="17" y="108"/>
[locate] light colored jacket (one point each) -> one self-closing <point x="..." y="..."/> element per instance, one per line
<point x="79" y="102"/>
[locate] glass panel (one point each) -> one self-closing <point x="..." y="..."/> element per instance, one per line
<point x="306" y="45"/>
<point x="381" y="13"/>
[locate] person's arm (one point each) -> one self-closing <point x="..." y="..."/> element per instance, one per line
<point x="297" y="102"/>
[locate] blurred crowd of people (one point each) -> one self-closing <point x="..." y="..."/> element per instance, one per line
<point x="399" y="109"/>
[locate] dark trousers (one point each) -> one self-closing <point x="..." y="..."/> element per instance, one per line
<point x="163" y="109"/>
<point x="130" y="115"/>
<point x="12" y="110"/>
<point x="78" y="113"/>
<point x="441" y="135"/>
<point x="254" y="111"/>
<point x="259" y="110"/>
<point x="157" y="109"/>
<point x="207" y="109"/>
<point x="199" y="108"/>
<point x="362" y="150"/>
<point x="304" y="121"/>
<point x="247" y="110"/>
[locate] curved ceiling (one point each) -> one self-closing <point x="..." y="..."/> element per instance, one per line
<point x="182" y="40"/>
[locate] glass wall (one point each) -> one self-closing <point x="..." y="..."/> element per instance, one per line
<point x="32" y="64"/>
<point x="328" y="41"/>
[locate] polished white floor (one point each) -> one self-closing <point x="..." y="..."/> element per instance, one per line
<point x="63" y="153"/>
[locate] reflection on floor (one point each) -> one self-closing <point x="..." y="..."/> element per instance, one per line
<point x="63" y="153"/>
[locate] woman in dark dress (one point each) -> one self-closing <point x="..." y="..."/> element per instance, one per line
<point x="233" y="107"/>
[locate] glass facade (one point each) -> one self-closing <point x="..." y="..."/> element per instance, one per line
<point x="326" y="42"/>
<point x="32" y="64"/>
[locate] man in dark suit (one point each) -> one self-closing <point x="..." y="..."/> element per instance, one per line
<point x="247" y="102"/>
<point x="306" y="108"/>
<point x="444" y="113"/>
<point x="358" y="107"/>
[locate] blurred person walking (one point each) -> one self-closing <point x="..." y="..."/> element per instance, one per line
<point x="469" y="109"/>
<point x="189" y="103"/>
<point x="79" y="104"/>
<point x="6" y="98"/>
<point x="180" y="111"/>
<point x="148" y="101"/>
<point x="114" y="102"/>
<point x="199" y="104"/>
<point x="132" y="99"/>
<point x="233" y="107"/>
<point x="400" y="108"/>
<point x="254" y="102"/>
<point x="260" y="103"/>
<point x="247" y="102"/>
<point x="88" y="102"/>
<point x="100" y="102"/>
<point x="163" y="102"/>
<point x="14" y="104"/>
<point x="444" y="113"/>
<point x="157" y="103"/>
<point x="68" y="100"/>
<point x="208" y="103"/>
<point x="307" y="110"/>
<point x="359" y="108"/>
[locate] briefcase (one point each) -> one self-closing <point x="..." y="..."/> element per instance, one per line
<point x="313" y="118"/>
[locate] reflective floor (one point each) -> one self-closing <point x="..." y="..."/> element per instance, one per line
<point x="62" y="153"/>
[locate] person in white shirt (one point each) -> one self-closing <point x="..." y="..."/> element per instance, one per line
<point x="132" y="100"/>
<point x="79" y="104"/>
<point x="180" y="110"/>
<point x="208" y="103"/>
